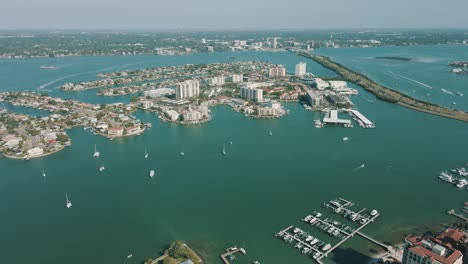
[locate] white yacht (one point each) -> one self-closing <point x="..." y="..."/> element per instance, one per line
<point x="102" y="168"/>
<point x="69" y="204"/>
<point x="270" y="133"/>
<point x="462" y="183"/>
<point x="309" y="238"/>
<point x="345" y="139"/>
<point x="314" y="241"/>
<point x="446" y="177"/>
<point x="326" y="247"/>
<point x="96" y="153"/>
<point x="146" y="154"/>
<point x="373" y="213"/>
<point x="43" y="173"/>
<point x="182" y="153"/>
<point x="151" y="174"/>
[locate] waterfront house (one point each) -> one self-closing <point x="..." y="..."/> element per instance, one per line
<point x="35" y="152"/>
<point x="133" y="129"/>
<point x="115" y="131"/>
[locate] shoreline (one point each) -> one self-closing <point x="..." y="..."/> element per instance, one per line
<point x="384" y="93"/>
<point x="33" y="157"/>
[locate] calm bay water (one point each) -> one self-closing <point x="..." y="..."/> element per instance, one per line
<point x="263" y="184"/>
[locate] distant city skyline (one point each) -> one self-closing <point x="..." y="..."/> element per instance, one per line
<point x="240" y="14"/>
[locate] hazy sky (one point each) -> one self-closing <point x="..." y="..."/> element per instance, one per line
<point x="235" y="14"/>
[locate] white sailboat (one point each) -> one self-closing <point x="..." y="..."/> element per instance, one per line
<point x="43" y="173"/>
<point x="182" y="153"/>
<point x="146" y="154"/>
<point x="230" y="142"/>
<point x="151" y="174"/>
<point x="270" y="133"/>
<point x="69" y="204"/>
<point x="224" y="150"/>
<point x="96" y="153"/>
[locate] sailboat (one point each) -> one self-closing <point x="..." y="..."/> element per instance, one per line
<point x="182" y="153"/>
<point x="43" y="173"/>
<point x="96" y="153"/>
<point x="146" y="154"/>
<point x="270" y="133"/>
<point x="69" y="204"/>
<point x="151" y="174"/>
<point x="230" y="142"/>
<point x="224" y="150"/>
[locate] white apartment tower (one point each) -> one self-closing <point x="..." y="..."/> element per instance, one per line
<point x="187" y="89"/>
<point x="300" y="69"/>
<point x="251" y="93"/>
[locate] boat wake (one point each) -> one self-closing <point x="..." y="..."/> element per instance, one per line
<point x="412" y="80"/>
<point x="45" y="85"/>
<point x="360" y="167"/>
<point x="448" y="92"/>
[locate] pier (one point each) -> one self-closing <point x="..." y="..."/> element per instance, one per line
<point x="231" y="251"/>
<point x="332" y="118"/>
<point x="366" y="122"/>
<point x="452" y="212"/>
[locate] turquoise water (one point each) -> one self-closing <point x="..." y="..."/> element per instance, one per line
<point x="263" y="184"/>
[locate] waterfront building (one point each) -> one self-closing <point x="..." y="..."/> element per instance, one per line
<point x="337" y="84"/>
<point x="266" y="111"/>
<point x="252" y="91"/>
<point x="146" y="104"/>
<point x="115" y="131"/>
<point x="275" y="42"/>
<point x="423" y="250"/>
<point x="300" y="69"/>
<point x="35" y="152"/>
<point x="210" y="49"/>
<point x="237" y="78"/>
<point x="277" y="71"/>
<point x="133" y="129"/>
<point x="153" y="93"/>
<point x="171" y="114"/>
<point x="320" y="84"/>
<point x="313" y="98"/>
<point x="203" y="41"/>
<point x="218" y="80"/>
<point x="187" y="89"/>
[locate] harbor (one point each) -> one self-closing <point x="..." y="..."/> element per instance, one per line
<point x="307" y="244"/>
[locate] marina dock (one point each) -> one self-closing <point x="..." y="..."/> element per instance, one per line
<point x="319" y="250"/>
<point x="230" y="253"/>
<point x="364" y="122"/>
<point x="452" y="212"/>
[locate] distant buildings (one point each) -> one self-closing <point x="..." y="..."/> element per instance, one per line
<point x="35" y="152"/>
<point x="337" y="84"/>
<point x="314" y="99"/>
<point x="210" y="49"/>
<point x="187" y="89"/>
<point x="278" y="71"/>
<point x="115" y="131"/>
<point x="272" y="108"/>
<point x="218" y="80"/>
<point x="300" y="69"/>
<point x="275" y="43"/>
<point x="422" y="250"/>
<point x="171" y="114"/>
<point x="237" y="78"/>
<point x="146" y="104"/>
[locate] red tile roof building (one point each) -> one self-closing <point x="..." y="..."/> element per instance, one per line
<point x="429" y="250"/>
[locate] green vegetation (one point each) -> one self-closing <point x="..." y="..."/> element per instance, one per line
<point x="176" y="253"/>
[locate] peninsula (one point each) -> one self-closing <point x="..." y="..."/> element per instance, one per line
<point x="385" y="93"/>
